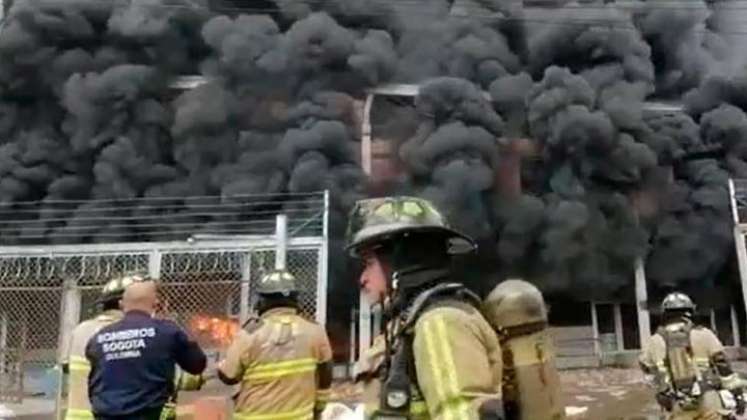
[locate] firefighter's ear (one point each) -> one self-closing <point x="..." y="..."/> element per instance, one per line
<point x="121" y="304"/>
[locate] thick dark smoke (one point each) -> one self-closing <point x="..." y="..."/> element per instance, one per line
<point x="457" y="47"/>
<point x="612" y="57"/>
<point x="684" y="49"/>
<point x="453" y="156"/>
<point x="86" y="113"/>
<point x="589" y="164"/>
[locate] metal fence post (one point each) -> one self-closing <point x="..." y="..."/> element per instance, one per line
<point x="595" y="331"/>
<point x="739" y="242"/>
<point x="281" y="245"/>
<point x="619" y="338"/>
<point x="712" y="318"/>
<point x="246" y="276"/>
<point x="322" y="269"/>
<point x="641" y="295"/>
<point x="3" y="344"/>
<point x="69" y="314"/>
<point x="154" y="264"/>
<point x="734" y="326"/>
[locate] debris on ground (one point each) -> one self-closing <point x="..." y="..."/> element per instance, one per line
<point x="607" y="393"/>
<point x="575" y="411"/>
<point x="5" y="412"/>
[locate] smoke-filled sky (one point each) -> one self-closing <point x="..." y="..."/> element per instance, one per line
<point x="86" y="112"/>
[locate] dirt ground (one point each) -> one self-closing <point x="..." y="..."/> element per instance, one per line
<point x="613" y="394"/>
<point x="595" y="394"/>
<point x="608" y="394"/>
<point x="598" y="394"/>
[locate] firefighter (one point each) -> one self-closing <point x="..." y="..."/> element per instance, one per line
<point x="440" y="358"/>
<point x="688" y="365"/>
<point x="282" y="361"/>
<point x="531" y="384"/>
<point x="133" y="360"/>
<point x="75" y="362"/>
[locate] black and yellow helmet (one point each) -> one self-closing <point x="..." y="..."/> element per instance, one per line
<point x="115" y="287"/>
<point x="379" y="219"/>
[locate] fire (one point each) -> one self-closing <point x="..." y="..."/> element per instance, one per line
<point x="218" y="330"/>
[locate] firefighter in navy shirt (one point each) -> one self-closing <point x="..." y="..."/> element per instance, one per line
<point x="133" y="360"/>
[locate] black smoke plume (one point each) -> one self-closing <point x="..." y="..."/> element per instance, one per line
<point x="86" y="112"/>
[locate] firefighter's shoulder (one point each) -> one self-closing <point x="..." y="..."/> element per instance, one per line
<point x="307" y="325"/>
<point x="87" y="325"/>
<point x="91" y="326"/>
<point x="448" y="315"/>
<point x="704" y="336"/>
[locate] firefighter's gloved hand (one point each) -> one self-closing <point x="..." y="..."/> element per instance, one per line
<point x="666" y="400"/>
<point x="189" y="382"/>
<point x="739" y="398"/>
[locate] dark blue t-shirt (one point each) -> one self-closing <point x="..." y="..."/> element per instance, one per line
<point x="132" y="364"/>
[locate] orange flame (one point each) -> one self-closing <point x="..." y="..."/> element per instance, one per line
<point x="218" y="330"/>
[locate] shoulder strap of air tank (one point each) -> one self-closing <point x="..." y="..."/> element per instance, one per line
<point x="424" y="300"/>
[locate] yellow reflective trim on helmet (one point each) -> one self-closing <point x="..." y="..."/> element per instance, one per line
<point x="385" y="210"/>
<point x="303" y="413"/>
<point x="412" y="208"/>
<point x="77" y="414"/>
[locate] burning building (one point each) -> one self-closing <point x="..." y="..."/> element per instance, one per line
<point x="567" y="176"/>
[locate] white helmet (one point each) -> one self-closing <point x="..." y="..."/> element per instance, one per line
<point x="677" y="302"/>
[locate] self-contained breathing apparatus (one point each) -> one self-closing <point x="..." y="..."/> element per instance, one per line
<point x="685" y="384"/>
<point x="511" y="384"/>
<point x="693" y="373"/>
<point x="530" y="382"/>
<point x="398" y="390"/>
<point x="684" y="378"/>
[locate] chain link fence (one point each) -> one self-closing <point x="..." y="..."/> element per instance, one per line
<point x="206" y="288"/>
